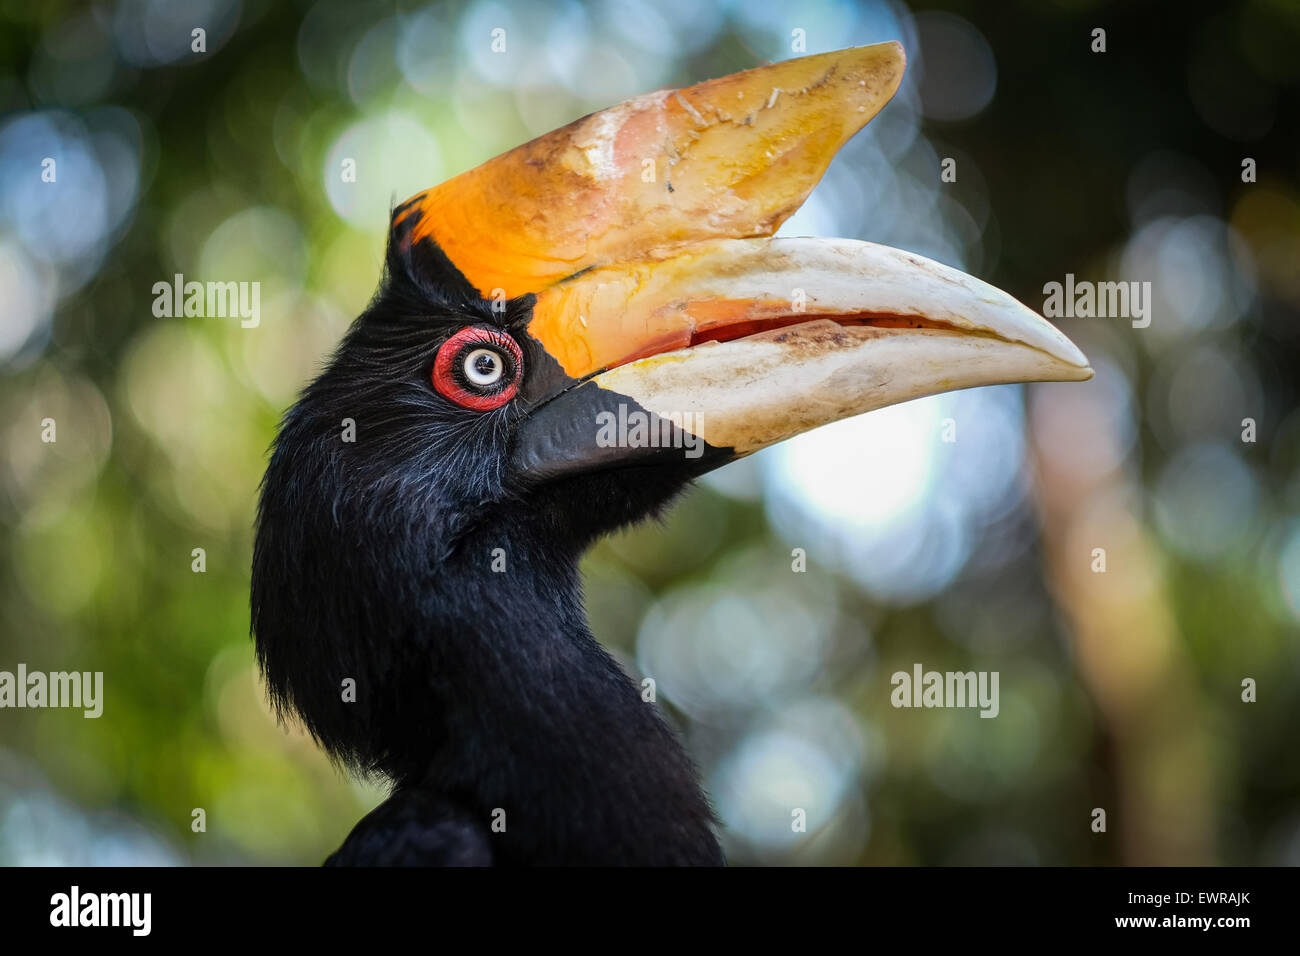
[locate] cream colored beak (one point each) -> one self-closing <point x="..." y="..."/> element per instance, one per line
<point x="642" y="231"/>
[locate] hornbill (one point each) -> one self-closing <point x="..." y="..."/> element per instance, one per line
<point x="416" y="597"/>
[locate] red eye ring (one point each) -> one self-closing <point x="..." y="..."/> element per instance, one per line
<point x="450" y="380"/>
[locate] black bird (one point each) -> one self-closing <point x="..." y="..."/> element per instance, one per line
<point x="562" y="340"/>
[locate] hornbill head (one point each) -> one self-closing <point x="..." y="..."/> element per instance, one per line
<point x="563" y="338"/>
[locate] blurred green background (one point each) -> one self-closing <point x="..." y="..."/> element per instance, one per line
<point x="1119" y="690"/>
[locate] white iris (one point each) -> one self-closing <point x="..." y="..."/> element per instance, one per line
<point x="484" y="367"/>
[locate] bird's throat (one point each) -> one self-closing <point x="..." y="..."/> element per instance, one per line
<point x="547" y="738"/>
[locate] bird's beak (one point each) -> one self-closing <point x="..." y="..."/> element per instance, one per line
<point x="676" y="329"/>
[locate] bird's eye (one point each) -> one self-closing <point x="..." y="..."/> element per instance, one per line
<point x="484" y="367"/>
<point x="478" y="368"/>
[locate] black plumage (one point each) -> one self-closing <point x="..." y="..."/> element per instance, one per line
<point x="433" y="560"/>
<point x="480" y="694"/>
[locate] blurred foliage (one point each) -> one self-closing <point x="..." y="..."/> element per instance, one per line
<point x="223" y="165"/>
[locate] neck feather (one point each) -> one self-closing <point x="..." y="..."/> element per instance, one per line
<point x="542" y="723"/>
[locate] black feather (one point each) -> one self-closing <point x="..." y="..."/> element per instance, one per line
<point x="476" y="691"/>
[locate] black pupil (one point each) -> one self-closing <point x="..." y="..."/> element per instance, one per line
<point x="485" y="364"/>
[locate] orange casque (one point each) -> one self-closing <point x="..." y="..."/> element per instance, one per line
<point x="633" y="185"/>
